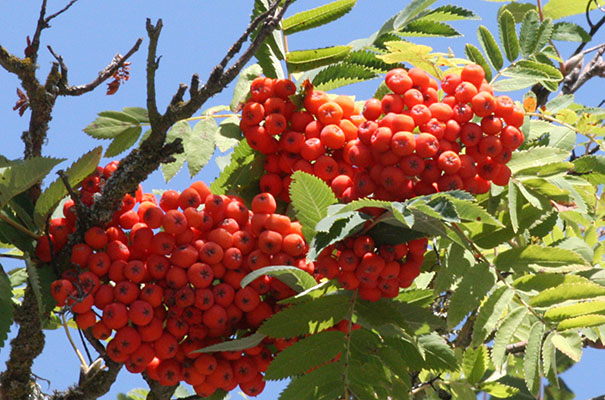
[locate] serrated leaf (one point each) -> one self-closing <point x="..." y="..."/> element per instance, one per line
<point x="438" y="355"/>
<point x="318" y="16"/>
<point x="449" y="13"/>
<point x="342" y="228"/>
<point x="243" y="343"/>
<point x="305" y="386"/>
<point x="505" y="333"/>
<point x="499" y="390"/>
<point x="310" y="198"/>
<point x="294" y="277"/>
<point x="475" y="363"/>
<point x="535" y="157"/>
<point x="229" y="134"/>
<point x="517" y="10"/>
<point x="570" y="32"/>
<point x="310" y="317"/>
<point x="536" y="256"/>
<point x="531" y="359"/>
<point x="470" y="211"/>
<point x="52" y="195"/>
<point x="241" y="171"/>
<point x="584" y="321"/>
<point x="549" y="358"/>
<point x="123" y="141"/>
<point x="474" y="286"/>
<point x="304" y="60"/>
<point x="269" y="61"/>
<point x="529" y="31"/>
<point x="489" y="314"/>
<point x="533" y="70"/>
<point x="6" y="307"/>
<point x="369" y="60"/>
<point x="138" y="113"/>
<point x="490" y="47"/>
<point x="242" y="86"/>
<point x="567" y="291"/>
<point x="110" y="124"/>
<point x="557" y="9"/>
<point x="545" y="188"/>
<point x="428" y="28"/>
<point x="568" y="343"/>
<point x="543" y="35"/>
<point x="475" y="55"/>
<point x="574" y="310"/>
<point x="305" y="354"/>
<point x="341" y="74"/>
<point x="542" y="281"/>
<point x="400" y="19"/>
<point x="508" y="35"/>
<point x="591" y="168"/>
<point x="200" y="145"/>
<point x="23" y="174"/>
<point x="512" y="84"/>
<point x="179" y="130"/>
<point x="416" y="54"/>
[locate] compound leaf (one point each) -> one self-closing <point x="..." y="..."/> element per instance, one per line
<point x="318" y="16"/>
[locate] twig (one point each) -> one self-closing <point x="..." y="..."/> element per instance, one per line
<point x="153" y="32"/>
<point x="81" y="208"/>
<point x="18" y="226"/>
<point x="85" y="346"/>
<point x="71" y="342"/>
<point x="12" y="256"/>
<point x="345" y="372"/>
<point x="106" y="73"/>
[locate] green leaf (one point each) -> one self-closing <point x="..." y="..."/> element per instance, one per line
<point x="181" y="392"/>
<point x="137" y="113"/>
<point x="111" y="124"/>
<point x="401" y="19"/>
<point x="472" y="289"/>
<point x="341" y="74"/>
<point x="536" y="256"/>
<point x="269" y="61"/>
<point x="475" y="363"/>
<point x="310" y="198"/>
<point x="179" y="130"/>
<point x="449" y="13"/>
<point x="474" y="54"/>
<point x="543" y="280"/>
<point x="568" y="343"/>
<point x="490" y="47"/>
<point x="305" y="354"/>
<point x="567" y="291"/>
<point x="531" y="359"/>
<point x="529" y="31"/>
<point x="428" y="28"/>
<point x="499" y="390"/>
<point x="534" y="70"/>
<point x="200" y="145"/>
<point x="21" y="175"/>
<point x="545" y="188"/>
<point x="6" y="307"/>
<point x="438" y="355"/>
<point x="489" y="314"/>
<point x="244" y="168"/>
<point x="229" y="134"/>
<point x="513" y="84"/>
<point x="242" y="86"/>
<point x="505" y="333"/>
<point x="294" y="277"/>
<point x="52" y="195"/>
<point x="243" y="343"/>
<point x="310" y="317"/>
<point x="543" y="35"/>
<point x="570" y="32"/>
<point x="308" y="386"/>
<point x="344" y="227"/>
<point x="557" y="9"/>
<point x="508" y="35"/>
<point x="366" y="58"/>
<point x="304" y="60"/>
<point x="536" y="157"/>
<point x="549" y="358"/>
<point x="584" y="321"/>
<point x="471" y="211"/>
<point x="574" y="310"/>
<point x="518" y="10"/>
<point x="591" y="168"/>
<point x="123" y="141"/>
<point x="317" y="16"/>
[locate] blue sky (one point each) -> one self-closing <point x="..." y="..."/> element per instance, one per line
<point x="196" y="35"/>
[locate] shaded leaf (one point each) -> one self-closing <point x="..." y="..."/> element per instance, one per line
<point x="52" y="195"/>
<point x="474" y="286"/>
<point x="304" y="60"/>
<point x="229" y="134"/>
<point x="310" y="317"/>
<point x="200" y="145"/>
<point x="294" y="277"/>
<point x="123" y="141"/>
<point x="449" y="13"/>
<point x="318" y="16"/>
<point x="244" y="168"/>
<point x="517" y="10"/>
<point x="428" y="28"/>
<point x="508" y="35"/>
<point x="505" y="333"/>
<point x="475" y="363"/>
<point x="489" y="314"/>
<point x="306" y="387"/>
<point x="305" y="354"/>
<point x="531" y="359"/>
<point x="490" y="47"/>
<point x="534" y="70"/>
<point x="110" y="124"/>
<point x="243" y="343"/>
<point x="474" y="54"/>
<point x="535" y="256"/>
<point x="438" y="355"/>
<point x="536" y="157"/>
<point x="6" y="307"/>
<point x="341" y="74"/>
<point x="242" y="86"/>
<point x="567" y="291"/>
<point x="570" y="32"/>
<point x="499" y="390"/>
<point x="529" y="31"/>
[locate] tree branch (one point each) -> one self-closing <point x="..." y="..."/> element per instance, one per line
<point x="157" y="391"/>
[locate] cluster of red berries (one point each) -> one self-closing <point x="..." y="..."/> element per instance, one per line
<point x="374" y="272"/>
<point x="406" y="144"/>
<point x="164" y="280"/>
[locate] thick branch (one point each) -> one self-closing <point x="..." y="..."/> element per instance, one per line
<point x="157" y="391"/>
<point x="106" y="73"/>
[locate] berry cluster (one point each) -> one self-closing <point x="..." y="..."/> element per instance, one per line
<point x="164" y="280"/>
<point x="374" y="272"/>
<point x="406" y="144"/>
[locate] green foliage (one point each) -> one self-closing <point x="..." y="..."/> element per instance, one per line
<point x="242" y="86"/>
<point x="508" y="35"/>
<point x="243" y="343"/>
<point x="475" y="363"/>
<point x="531" y="361"/>
<point x="294" y="277"/>
<point x="52" y="195"/>
<point x="490" y="47"/>
<point x="6" y="306"/>
<point x="316" y="17"/>
<point x="304" y="60"/>
<point x="241" y="174"/>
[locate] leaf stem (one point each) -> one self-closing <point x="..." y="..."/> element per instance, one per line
<point x="348" y="345"/>
<point x="18" y="226"/>
<point x="12" y="256"/>
<point x="71" y="341"/>
<point x="553" y="119"/>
